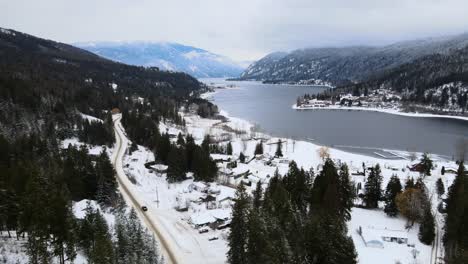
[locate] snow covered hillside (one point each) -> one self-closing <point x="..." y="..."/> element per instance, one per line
<point x="167" y="56"/>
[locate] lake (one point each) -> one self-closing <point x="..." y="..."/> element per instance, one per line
<point x="269" y="106"/>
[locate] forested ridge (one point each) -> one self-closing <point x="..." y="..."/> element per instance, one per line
<point x="45" y="88"/>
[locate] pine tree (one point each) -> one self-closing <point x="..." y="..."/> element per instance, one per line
<point x="373" y="189"/>
<point x="106" y="182"/>
<point x="237" y="239"/>
<point x="176" y="165"/>
<point x="427" y="227"/>
<point x="257" y="196"/>
<point x="258" y="247"/>
<point x="427" y="164"/>
<point x="440" y="187"/>
<point x="242" y="157"/>
<point x="180" y="140"/>
<point x="409" y="183"/>
<point x="258" y="149"/>
<point x="393" y="189"/>
<point x="347" y="192"/>
<point x="229" y="148"/>
<point x="455" y="236"/>
<point x="279" y="152"/>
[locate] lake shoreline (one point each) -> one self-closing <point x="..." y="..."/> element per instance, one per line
<point x="381" y="110"/>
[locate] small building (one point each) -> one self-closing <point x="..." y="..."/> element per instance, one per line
<point x="400" y="237"/>
<point x="198" y="186"/>
<point x="226" y="202"/>
<point x="417" y="167"/>
<point x="115" y="111"/>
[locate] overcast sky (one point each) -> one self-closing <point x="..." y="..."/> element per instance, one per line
<point x="240" y="29"/>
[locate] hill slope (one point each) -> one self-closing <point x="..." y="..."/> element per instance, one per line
<point x="348" y="64"/>
<point x="167" y="56"/>
<point x="43" y="81"/>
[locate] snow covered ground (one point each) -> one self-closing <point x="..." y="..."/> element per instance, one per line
<point x="162" y="198"/>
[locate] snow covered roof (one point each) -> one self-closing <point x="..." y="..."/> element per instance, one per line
<point x="206" y="217"/>
<point x="202" y="218"/>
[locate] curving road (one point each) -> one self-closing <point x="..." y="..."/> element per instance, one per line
<point x="125" y="189"/>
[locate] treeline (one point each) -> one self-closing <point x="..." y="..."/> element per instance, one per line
<point x="39" y="182"/>
<point x="43" y="81"/>
<point x="127" y="242"/>
<point x="97" y="132"/>
<point x="181" y="156"/>
<point x="299" y="218"/>
<point x="186" y="156"/>
<point x="438" y="80"/>
<point x="456" y="229"/>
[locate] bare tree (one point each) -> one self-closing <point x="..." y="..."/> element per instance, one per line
<point x="324" y="153"/>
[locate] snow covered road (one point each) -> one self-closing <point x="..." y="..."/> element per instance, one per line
<point x="125" y="189"/>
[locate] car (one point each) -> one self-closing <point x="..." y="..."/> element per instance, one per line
<point x="213" y="238"/>
<point x="203" y="230"/>
<point x="144" y="208"/>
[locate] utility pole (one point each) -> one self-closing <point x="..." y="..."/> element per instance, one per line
<point x="157" y="196"/>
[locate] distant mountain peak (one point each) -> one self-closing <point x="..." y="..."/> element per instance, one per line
<point x="167" y="56"/>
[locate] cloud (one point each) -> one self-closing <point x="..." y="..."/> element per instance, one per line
<point x="241" y="29"/>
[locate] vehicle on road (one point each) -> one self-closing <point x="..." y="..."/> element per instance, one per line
<point x="144" y="208"/>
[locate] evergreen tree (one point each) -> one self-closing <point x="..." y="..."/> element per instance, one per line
<point x="409" y="183"/>
<point x="347" y="192"/>
<point x="237" y="239"/>
<point x="176" y="165"/>
<point x="257" y="196"/>
<point x="106" y="182"/>
<point x="427" y="164"/>
<point x="373" y="189"/>
<point x="258" y="148"/>
<point x="442" y="171"/>
<point x="258" y="248"/>
<point x="242" y="157"/>
<point x="229" y="148"/>
<point x="440" y="187"/>
<point x="205" y="145"/>
<point x="455" y="237"/>
<point x="180" y="140"/>
<point x="427" y="227"/>
<point x="279" y="152"/>
<point x="393" y="189"/>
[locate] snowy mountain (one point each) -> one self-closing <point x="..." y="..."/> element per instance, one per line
<point x="167" y="56"/>
<point x="342" y="65"/>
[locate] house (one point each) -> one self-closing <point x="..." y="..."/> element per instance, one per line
<point x="226" y="202"/>
<point x="198" y="186"/>
<point x="417" y="167"/>
<point x="400" y="237"/>
<point x="214" y="190"/>
<point x="115" y="111"/>
<point x="201" y="219"/>
<point x="159" y="168"/>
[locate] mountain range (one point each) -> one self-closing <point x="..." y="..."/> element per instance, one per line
<point x="346" y="65"/>
<point x="167" y="56"/>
